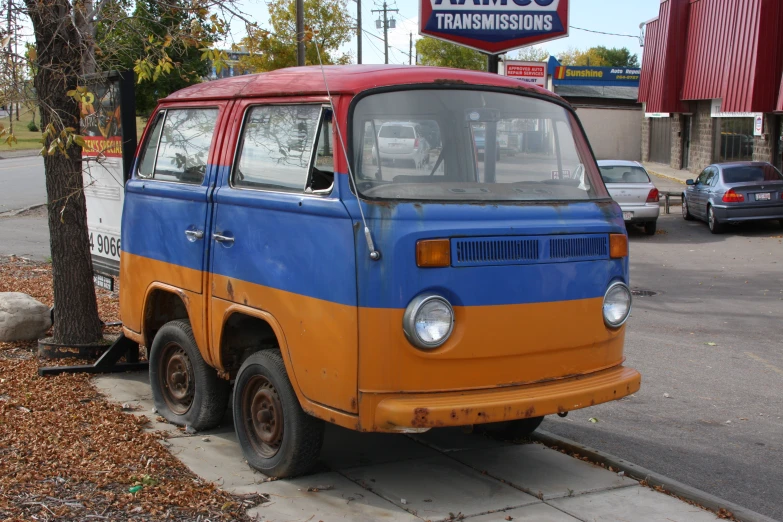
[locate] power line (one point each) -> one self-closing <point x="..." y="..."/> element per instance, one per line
<point x="601" y="32"/>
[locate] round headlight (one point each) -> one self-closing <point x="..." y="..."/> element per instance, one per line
<point x="428" y="321"/>
<point x="617" y="305"/>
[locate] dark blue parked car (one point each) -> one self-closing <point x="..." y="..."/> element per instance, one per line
<point x="734" y="192"/>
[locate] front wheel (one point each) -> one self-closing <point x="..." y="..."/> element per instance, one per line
<point x="276" y="436"/>
<point x="686" y="212"/>
<point x="510" y="430"/>
<point x="716" y="227"/>
<point x="185" y="389"/>
<point x="650" y="228"/>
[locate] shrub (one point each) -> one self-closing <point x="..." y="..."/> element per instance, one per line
<point x="32" y="127"/>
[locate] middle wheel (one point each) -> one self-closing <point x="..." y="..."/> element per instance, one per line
<point x="277" y="437"/>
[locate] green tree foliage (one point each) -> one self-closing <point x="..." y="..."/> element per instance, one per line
<point x="143" y="41"/>
<point x="532" y="54"/>
<point x="444" y="54"/>
<point x="328" y="25"/>
<point x="600" y="57"/>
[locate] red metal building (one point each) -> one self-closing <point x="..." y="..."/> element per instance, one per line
<point x="712" y="83"/>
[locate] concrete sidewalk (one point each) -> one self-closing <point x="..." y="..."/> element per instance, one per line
<point x="666" y="171"/>
<point x="441" y="475"/>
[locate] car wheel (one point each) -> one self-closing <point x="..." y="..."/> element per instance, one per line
<point x="715" y="226"/>
<point x="511" y="430"/>
<point x="276" y="436"/>
<point x="185" y="389"/>
<point x="650" y="228"/>
<point x="686" y="212"/>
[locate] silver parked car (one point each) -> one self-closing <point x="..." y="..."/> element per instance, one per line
<point x="630" y="186"/>
<point x="403" y="142"/>
<point x="734" y="192"/>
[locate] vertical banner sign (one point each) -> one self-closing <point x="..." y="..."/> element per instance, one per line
<point x="108" y="124"/>
<point x="494" y="26"/>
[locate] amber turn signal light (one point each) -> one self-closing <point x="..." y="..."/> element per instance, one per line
<point x="618" y="246"/>
<point x="433" y="253"/>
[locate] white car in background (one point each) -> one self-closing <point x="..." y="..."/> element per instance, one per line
<point x="630" y="186"/>
<point x="403" y="142"/>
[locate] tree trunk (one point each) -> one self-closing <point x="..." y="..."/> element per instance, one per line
<point x="59" y="49"/>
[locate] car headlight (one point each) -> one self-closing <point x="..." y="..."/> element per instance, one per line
<point x="617" y="305"/>
<point x="428" y="321"/>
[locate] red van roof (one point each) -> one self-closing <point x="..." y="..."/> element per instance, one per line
<point x="342" y="79"/>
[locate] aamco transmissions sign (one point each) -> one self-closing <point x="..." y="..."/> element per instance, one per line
<point x="494" y="26"/>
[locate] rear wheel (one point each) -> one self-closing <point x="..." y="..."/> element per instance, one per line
<point x="185" y="389"/>
<point x="276" y="436"/>
<point x="716" y="227"/>
<point x="686" y="212"/>
<point x="510" y="430"/>
<point x="650" y="228"/>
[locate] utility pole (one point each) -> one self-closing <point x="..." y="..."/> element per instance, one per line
<point x="493" y="62"/>
<point x="300" y="47"/>
<point x="410" y="50"/>
<point x="12" y="60"/>
<point x="385" y="12"/>
<point x="359" y="31"/>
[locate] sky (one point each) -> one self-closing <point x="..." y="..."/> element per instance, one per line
<point x="610" y="16"/>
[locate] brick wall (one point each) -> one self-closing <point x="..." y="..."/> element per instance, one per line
<point x="762" y="149"/>
<point x="676" y="158"/>
<point x="701" y="153"/>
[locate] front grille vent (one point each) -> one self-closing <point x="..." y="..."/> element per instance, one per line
<point x="578" y="247"/>
<point x="504" y="250"/>
<point x="496" y="251"/>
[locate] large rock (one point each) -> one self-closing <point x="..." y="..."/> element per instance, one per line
<point x="22" y="318"/>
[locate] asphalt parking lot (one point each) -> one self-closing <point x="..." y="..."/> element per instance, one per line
<point x="709" y="346"/>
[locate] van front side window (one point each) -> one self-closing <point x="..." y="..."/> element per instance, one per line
<point x="184" y="145"/>
<point x="277" y="147"/>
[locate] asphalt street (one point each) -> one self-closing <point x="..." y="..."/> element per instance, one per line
<point x="710" y="350"/>
<point x="22" y="183"/>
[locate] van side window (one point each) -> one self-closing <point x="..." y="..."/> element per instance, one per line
<point x="184" y="145"/>
<point x="276" y="147"/>
<point x="147" y="163"/>
<point x="322" y="172"/>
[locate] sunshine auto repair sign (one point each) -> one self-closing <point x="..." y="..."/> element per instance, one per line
<point x="494" y="26"/>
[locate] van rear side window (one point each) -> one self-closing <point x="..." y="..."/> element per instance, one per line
<point x="177" y="148"/>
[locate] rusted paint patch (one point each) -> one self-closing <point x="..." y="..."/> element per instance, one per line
<point x="450" y="81"/>
<point x="353" y="403"/>
<point x="530" y="412"/>
<point x="230" y="290"/>
<point x="420" y="416"/>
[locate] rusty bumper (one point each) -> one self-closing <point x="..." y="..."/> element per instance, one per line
<point x="394" y="413"/>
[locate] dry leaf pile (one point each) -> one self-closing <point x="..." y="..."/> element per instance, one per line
<point x="67" y="454"/>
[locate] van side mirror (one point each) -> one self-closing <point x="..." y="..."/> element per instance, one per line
<point x="689" y="182"/>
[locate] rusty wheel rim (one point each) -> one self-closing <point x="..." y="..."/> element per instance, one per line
<point x="176" y="372"/>
<point x="263" y="415"/>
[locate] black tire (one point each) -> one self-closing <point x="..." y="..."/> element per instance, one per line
<point x="686" y="212"/>
<point x="650" y="228"/>
<point x="511" y="430"/>
<point x="185" y="389"/>
<point x="276" y="436"/>
<point x="716" y="227"/>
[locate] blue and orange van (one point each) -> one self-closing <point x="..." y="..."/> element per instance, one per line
<point x="333" y="244"/>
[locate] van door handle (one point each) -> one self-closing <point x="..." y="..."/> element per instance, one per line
<point x="194" y="235"/>
<point x="222" y="239"/>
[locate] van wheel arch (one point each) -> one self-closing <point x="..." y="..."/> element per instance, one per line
<point x="161" y="306"/>
<point x="244" y="334"/>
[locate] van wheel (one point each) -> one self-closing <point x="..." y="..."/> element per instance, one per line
<point x="650" y="228"/>
<point x="510" y="430"/>
<point x="185" y="389"/>
<point x="276" y="436"/>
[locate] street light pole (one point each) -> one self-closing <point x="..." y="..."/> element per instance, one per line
<point x="359" y="31"/>
<point x="493" y="63"/>
<point x="300" y="47"/>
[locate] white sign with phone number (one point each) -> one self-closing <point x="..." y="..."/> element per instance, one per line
<point x="105" y="244"/>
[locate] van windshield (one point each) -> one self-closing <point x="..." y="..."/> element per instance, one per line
<point x="451" y="144"/>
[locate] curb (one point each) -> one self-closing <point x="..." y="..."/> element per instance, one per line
<point x="16" y="153"/>
<point x="671" y="178"/>
<point x="652" y="478"/>
<point x="13" y="213"/>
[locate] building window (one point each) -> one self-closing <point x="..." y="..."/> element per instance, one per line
<point x="735" y="142"/>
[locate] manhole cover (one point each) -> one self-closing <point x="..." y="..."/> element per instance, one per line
<point x="643" y="293"/>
